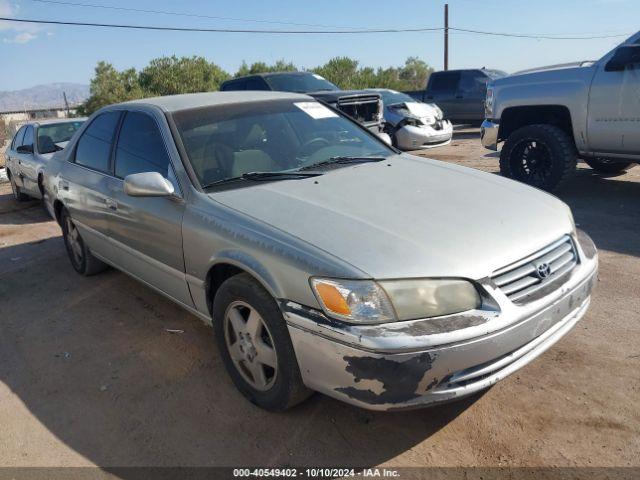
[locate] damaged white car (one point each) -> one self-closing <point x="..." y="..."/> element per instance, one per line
<point x="413" y="125"/>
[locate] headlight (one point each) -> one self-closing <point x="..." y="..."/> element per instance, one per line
<point x="414" y="121"/>
<point x="366" y="301"/>
<point x="488" y="103"/>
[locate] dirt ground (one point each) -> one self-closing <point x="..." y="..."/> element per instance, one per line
<point x="89" y="374"/>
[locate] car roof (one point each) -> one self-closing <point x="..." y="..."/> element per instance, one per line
<point x="173" y="103"/>
<point x="53" y="121"/>
<point x="270" y="74"/>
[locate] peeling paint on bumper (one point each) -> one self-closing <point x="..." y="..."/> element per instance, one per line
<point x="390" y="372"/>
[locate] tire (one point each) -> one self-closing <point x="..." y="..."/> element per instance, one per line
<point x="609" y="167"/>
<point x="17" y="193"/>
<point x="282" y="385"/>
<point x="82" y="260"/>
<point x="543" y="156"/>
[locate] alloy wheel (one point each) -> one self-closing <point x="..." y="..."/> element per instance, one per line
<point x="532" y="161"/>
<point x="250" y="345"/>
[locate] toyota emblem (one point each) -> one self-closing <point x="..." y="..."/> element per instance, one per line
<point x="543" y="269"/>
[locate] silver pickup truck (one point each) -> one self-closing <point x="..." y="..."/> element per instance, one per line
<point x="549" y="117"/>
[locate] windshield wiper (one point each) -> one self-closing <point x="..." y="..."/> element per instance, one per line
<point x="343" y="160"/>
<point x="257" y="176"/>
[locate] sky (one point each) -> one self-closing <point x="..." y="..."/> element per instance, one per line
<point x="40" y="54"/>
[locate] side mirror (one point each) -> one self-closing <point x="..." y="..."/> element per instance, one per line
<point x="147" y="184"/>
<point x="623" y="57"/>
<point x="25" y="149"/>
<point x="384" y="137"/>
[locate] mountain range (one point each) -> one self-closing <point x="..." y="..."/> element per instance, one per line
<point x="43" y="96"/>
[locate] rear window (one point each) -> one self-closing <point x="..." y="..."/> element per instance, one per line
<point x="299" y="83"/>
<point x="54" y="137"/>
<point x="444" y="81"/>
<point x="94" y="146"/>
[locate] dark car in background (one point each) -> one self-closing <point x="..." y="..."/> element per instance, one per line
<point x="460" y="94"/>
<point x="363" y="106"/>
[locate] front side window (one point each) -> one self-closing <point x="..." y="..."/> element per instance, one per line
<point x="140" y="147"/>
<point x="17" y="139"/>
<point x="269" y="136"/>
<point x="444" y="82"/>
<point x="299" y="83"/>
<point x="94" y="146"/>
<point x="28" y="136"/>
<point x="54" y="137"/>
<point x="473" y="82"/>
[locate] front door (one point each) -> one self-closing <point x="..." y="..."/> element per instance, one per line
<point x="26" y="160"/>
<point x="147" y="231"/>
<point x="613" y="124"/>
<point x="442" y="90"/>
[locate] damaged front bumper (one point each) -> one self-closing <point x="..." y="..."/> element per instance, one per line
<point x="411" y="137"/>
<point x="423" y="362"/>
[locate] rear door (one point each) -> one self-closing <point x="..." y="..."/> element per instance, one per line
<point x="85" y="182"/>
<point x="442" y="90"/>
<point x="471" y="94"/>
<point x="147" y="231"/>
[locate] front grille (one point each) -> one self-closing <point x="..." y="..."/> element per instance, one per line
<point x="363" y="109"/>
<point x="529" y="275"/>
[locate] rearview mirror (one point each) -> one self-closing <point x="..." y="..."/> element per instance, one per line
<point x="147" y="184"/>
<point x="623" y="57"/>
<point x="25" y="149"/>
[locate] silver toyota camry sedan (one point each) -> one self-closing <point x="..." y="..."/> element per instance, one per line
<point x="325" y="260"/>
<point x="31" y="148"/>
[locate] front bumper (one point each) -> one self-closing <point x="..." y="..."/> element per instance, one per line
<point x="423" y="362"/>
<point x="410" y="137"/>
<point x="489" y="134"/>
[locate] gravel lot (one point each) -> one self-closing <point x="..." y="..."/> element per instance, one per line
<point x="89" y="374"/>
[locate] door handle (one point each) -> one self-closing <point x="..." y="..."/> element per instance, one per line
<point x="64" y="185"/>
<point x="111" y="203"/>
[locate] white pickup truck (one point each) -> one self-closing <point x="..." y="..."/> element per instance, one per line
<point x="549" y="117"/>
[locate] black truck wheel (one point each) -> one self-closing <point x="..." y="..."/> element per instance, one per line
<point x="543" y="156"/>
<point x="610" y="167"/>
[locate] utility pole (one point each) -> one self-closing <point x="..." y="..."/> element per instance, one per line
<point x="446" y="36"/>
<point x="66" y="103"/>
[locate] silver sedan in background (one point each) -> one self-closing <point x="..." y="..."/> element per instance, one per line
<point x="32" y="147"/>
<point x="411" y="124"/>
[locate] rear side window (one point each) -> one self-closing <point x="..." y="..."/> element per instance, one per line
<point x="94" y="146"/>
<point x="17" y="139"/>
<point x="141" y="148"/>
<point x="444" y="82"/>
<point x="28" y="136"/>
<point x="233" y="86"/>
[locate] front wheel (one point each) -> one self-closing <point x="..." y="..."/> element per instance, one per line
<point x="610" y="167"/>
<point x="543" y="156"/>
<point x="255" y="345"/>
<point x="17" y="192"/>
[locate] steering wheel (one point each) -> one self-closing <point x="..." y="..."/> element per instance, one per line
<point x="312" y="146"/>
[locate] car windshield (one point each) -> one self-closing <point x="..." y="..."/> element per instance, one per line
<point x="225" y="142"/>
<point x="389" y="97"/>
<point x="299" y="83"/>
<point x="54" y="136"/>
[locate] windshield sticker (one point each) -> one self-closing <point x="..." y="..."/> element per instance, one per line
<point x="315" y="110"/>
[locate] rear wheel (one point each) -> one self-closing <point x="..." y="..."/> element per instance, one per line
<point x="255" y="345"/>
<point x="15" y="189"/>
<point x="81" y="257"/>
<point x="607" y="166"/>
<point x="543" y="156"/>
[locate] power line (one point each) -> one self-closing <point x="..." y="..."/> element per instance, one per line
<point x="539" y="36"/>
<point x="305" y="32"/>
<point x="184" y="14"/>
<point x="222" y="30"/>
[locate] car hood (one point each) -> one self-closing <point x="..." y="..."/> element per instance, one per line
<point x="410" y="217"/>
<point x="332" y="96"/>
<point x="561" y="66"/>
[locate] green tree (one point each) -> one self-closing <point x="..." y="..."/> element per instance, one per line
<point x="111" y="86"/>
<point x="173" y="75"/>
<point x="262" y="67"/>
<point x="415" y="73"/>
<point x="343" y="71"/>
